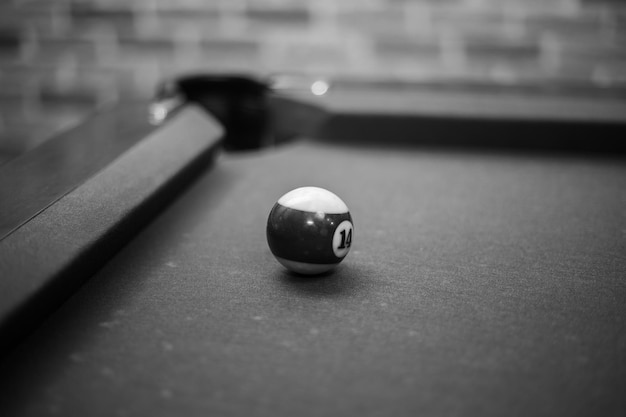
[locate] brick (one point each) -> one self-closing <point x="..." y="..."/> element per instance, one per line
<point x="46" y="21"/>
<point x="280" y="16"/>
<point x="495" y="24"/>
<point x="494" y="49"/>
<point x="166" y="24"/>
<point x="581" y="27"/>
<point x="50" y="49"/>
<point x="606" y="54"/>
<point x="10" y="41"/>
<point x="373" y="22"/>
<point x="304" y="56"/>
<point x="86" y="11"/>
<point x="389" y="47"/>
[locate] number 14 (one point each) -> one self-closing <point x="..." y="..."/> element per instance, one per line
<point x="346" y="239"/>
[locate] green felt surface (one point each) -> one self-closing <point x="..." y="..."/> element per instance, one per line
<point x="478" y="284"/>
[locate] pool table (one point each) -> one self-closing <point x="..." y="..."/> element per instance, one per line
<point x="487" y="275"/>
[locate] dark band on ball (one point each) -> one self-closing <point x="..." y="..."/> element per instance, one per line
<point x="313" y="243"/>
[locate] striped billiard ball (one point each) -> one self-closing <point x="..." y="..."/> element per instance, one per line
<point x="309" y="230"/>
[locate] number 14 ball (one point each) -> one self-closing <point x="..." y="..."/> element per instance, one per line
<point x="309" y="230"/>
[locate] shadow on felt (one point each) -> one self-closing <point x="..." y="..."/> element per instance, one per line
<point x="343" y="281"/>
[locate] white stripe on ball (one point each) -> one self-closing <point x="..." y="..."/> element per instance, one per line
<point x="313" y="199"/>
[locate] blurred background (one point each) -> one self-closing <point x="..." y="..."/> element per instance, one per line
<point x="60" y="60"/>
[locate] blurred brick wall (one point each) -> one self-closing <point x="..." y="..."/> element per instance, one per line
<point x="61" y="59"/>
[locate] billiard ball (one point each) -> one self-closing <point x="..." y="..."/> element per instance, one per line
<point x="309" y="230"/>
